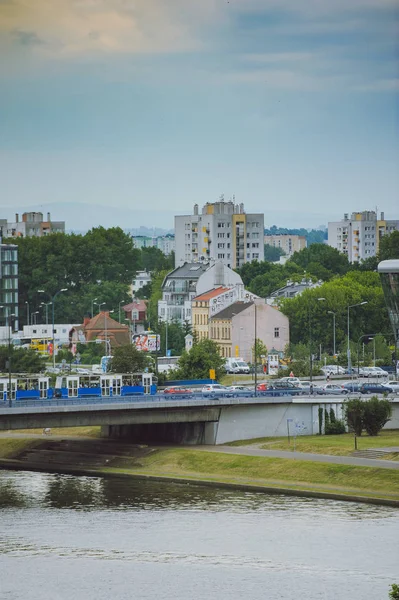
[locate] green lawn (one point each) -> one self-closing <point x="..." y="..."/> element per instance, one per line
<point x="181" y="462"/>
<point x="11" y="447"/>
<point x="342" y="445"/>
<point x="92" y="432"/>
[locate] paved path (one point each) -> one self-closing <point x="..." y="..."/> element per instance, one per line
<point x="340" y="460"/>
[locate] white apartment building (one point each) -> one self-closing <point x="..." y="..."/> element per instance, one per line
<point x="31" y="225"/>
<point x="359" y="235"/>
<point x="165" y="243"/>
<point x="288" y="243"/>
<point x="222" y="231"/>
<point x="141" y="279"/>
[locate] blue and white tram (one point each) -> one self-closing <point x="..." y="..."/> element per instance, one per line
<point x="25" y="387"/>
<point x="106" y="385"/>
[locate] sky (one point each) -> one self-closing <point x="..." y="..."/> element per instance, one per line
<point x="130" y="111"/>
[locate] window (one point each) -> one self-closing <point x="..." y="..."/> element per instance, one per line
<point x="276" y="332"/>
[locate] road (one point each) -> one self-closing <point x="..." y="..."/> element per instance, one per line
<point x="324" y="458"/>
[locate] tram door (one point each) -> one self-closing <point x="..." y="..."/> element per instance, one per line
<point x="73" y="384"/>
<point x="106" y="383"/>
<point x="12" y="393"/>
<point x="43" y="387"/>
<point x="3" y="391"/>
<point x="117" y="385"/>
<point x="147" y="380"/>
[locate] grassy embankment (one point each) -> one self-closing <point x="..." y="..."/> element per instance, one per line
<point x="337" y="445"/>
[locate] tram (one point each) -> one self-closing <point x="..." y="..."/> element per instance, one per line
<point x="37" y="387"/>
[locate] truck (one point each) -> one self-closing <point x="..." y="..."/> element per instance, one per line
<point x="236" y="365"/>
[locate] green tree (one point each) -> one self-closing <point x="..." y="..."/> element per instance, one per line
<point x="377" y="412"/>
<point x="22" y="360"/>
<point x="273" y="253"/>
<point x="394" y="592"/>
<point x="331" y="260"/>
<point x="389" y="246"/>
<point x="354" y="413"/>
<point x="127" y="359"/>
<point x="258" y="350"/>
<point x="202" y="357"/>
<point x="153" y="259"/>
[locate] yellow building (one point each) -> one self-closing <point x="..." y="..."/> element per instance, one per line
<point x="200" y="312"/>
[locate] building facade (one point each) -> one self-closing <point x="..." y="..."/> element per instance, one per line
<point x="141" y="279"/>
<point x="288" y="243"/>
<point x="222" y="231"/>
<point x="31" y="225"/>
<point x="184" y="283"/>
<point x="165" y="243"/>
<point x="291" y="290"/>
<point x="389" y="274"/>
<point x="9" y="286"/>
<point x="358" y="236"/>
<point x="233" y="329"/>
<point x="200" y="312"/>
<point x="136" y="313"/>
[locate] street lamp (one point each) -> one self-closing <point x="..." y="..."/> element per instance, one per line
<point x="106" y="333"/>
<point x="310" y="340"/>
<point x="9" y="325"/>
<point x="331" y="312"/>
<point x="46" y="304"/>
<point x="119" y="309"/>
<point x="34" y="317"/>
<point x="92" y="307"/>
<point x="27" y="312"/>
<point x="53" y="303"/>
<point x="99" y="304"/>
<point x="349" y="348"/>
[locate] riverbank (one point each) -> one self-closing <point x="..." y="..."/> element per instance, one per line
<point x="187" y="465"/>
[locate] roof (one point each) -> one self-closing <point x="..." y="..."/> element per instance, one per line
<point x="189" y="271"/>
<point x="232" y="310"/>
<point x="139" y="305"/>
<point x="211" y="294"/>
<point x="389" y="266"/>
<point x="102" y="320"/>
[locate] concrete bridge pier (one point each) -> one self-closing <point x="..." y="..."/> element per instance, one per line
<point x="190" y="433"/>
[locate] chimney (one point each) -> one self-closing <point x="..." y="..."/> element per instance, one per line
<point x="196" y="209"/>
<point x="86" y="320"/>
<point x="16" y="217"/>
<point x="382" y="216"/>
<point x="48" y="217"/>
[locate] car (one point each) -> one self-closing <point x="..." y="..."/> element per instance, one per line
<point x="308" y="387"/>
<point x="366" y="372"/>
<point x="378" y="372"/>
<point x="352" y="386"/>
<point x="375" y="388"/>
<point x="240" y="390"/>
<point x="332" y="389"/>
<point x="279" y="388"/>
<point x="176" y="390"/>
<point x="332" y="370"/>
<point x="394" y="385"/>
<point x="294" y="380"/>
<point x="216" y="389"/>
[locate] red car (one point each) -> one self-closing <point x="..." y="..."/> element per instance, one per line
<point x="262" y="387"/>
<point x="177" y="390"/>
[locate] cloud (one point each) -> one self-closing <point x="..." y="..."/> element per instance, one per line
<point x="27" y="38"/>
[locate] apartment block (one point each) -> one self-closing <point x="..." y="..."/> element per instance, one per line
<point x="165" y="243"/>
<point x="9" y="286"/>
<point x="31" y="225"/>
<point x="222" y="231"/>
<point x="288" y="243"/>
<point x="359" y="235"/>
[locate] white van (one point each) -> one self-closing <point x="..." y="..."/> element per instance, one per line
<point x="236" y="365"/>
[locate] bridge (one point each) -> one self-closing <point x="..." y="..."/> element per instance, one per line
<point x="194" y="420"/>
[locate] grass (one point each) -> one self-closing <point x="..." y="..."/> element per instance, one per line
<point x="181" y="462"/>
<point x="338" y="445"/>
<point x="92" y="432"/>
<point x="11" y="447"/>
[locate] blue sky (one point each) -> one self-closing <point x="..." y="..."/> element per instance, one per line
<point x="146" y="107"/>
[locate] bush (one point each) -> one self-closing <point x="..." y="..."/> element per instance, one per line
<point x="335" y="428"/>
<point x="394" y="593"/>
<point x="354" y="411"/>
<point x="377" y="412"/>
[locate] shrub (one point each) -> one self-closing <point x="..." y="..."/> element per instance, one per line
<point x="320" y="420"/>
<point x="335" y="428"/>
<point x="354" y="411"/>
<point x="332" y="416"/>
<point x="394" y="593"/>
<point x="326" y="420"/>
<point x="377" y="412"/>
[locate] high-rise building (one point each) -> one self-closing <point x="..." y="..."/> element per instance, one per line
<point x="31" y="225"/>
<point x="359" y="235"/>
<point x="288" y="243"/>
<point x="9" y="285"/>
<point x="222" y="231"/>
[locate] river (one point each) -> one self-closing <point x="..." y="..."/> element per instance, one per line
<point x="72" y="538"/>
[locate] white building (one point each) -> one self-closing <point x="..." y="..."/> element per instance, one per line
<point x="182" y="285"/>
<point x="222" y="231"/>
<point x="31" y="225"/>
<point x="141" y="279"/>
<point x="359" y="235"/>
<point x="288" y="243"/>
<point x="165" y="243"/>
<point x="291" y="290"/>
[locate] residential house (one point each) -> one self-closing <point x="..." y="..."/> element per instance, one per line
<point x="101" y="327"/>
<point x="136" y="313"/>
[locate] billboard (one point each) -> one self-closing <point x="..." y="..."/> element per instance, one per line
<point x="147" y="341"/>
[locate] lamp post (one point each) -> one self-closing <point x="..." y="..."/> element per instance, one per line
<point x="27" y="312"/>
<point x="99" y="304"/>
<point x="106" y="332"/>
<point x="166" y="336"/>
<point x="370" y="336"/>
<point x="9" y="325"/>
<point x="331" y="312"/>
<point x="46" y="304"/>
<point x="34" y="317"/>
<point x="92" y="307"/>
<point x="348" y="332"/>
<point x="310" y="339"/>
<point x="255" y="357"/>
<point x="53" y="303"/>
<point x="119" y="309"/>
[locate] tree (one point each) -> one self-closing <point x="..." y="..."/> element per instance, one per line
<point x="354" y="412"/>
<point x="273" y="253"/>
<point x="389" y="246"/>
<point x="377" y="412"/>
<point x="259" y="349"/>
<point x="394" y="592"/>
<point x="202" y="357"/>
<point x="153" y="259"/>
<point x="332" y="261"/>
<point x="22" y="360"/>
<point x="127" y="359"/>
